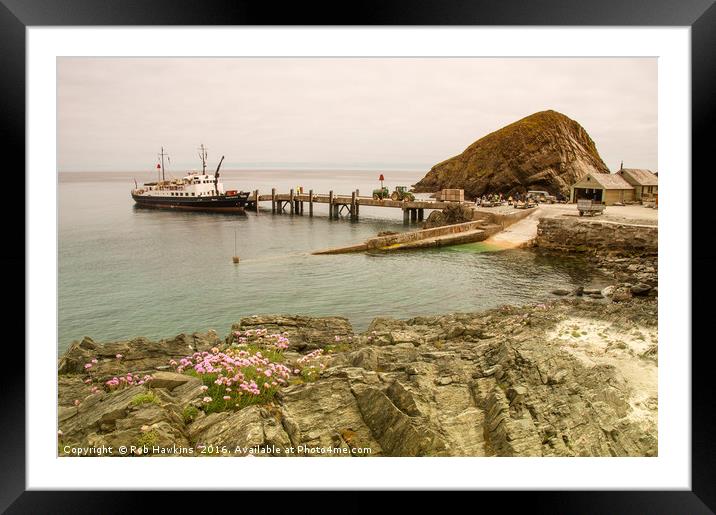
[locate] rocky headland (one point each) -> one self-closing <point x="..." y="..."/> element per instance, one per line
<point x="573" y="376"/>
<point x="544" y="151"/>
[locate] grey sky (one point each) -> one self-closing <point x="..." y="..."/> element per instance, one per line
<point x="114" y="114"/>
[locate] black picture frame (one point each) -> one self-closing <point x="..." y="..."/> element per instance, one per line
<point x="700" y="15"/>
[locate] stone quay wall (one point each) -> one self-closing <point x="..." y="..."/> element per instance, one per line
<point x="580" y="235"/>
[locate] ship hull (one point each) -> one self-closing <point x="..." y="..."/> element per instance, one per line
<point x="220" y="204"/>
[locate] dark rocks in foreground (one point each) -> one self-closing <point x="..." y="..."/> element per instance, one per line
<point x="633" y="274"/>
<point x="506" y="382"/>
<point x="305" y="333"/>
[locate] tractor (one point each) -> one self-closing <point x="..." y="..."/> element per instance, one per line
<point x="380" y="193"/>
<point x="402" y="193"/>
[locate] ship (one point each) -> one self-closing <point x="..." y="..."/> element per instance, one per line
<point x="193" y="192"/>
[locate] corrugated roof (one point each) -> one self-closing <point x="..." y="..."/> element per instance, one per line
<point x="611" y="181"/>
<point x="641" y="176"/>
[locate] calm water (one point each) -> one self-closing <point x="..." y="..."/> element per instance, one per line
<point x="126" y="271"/>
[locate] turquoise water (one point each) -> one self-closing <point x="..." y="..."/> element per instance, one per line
<point x="126" y="271"/>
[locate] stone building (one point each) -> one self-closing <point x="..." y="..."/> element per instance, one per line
<point x="607" y="188"/>
<point x="645" y="182"/>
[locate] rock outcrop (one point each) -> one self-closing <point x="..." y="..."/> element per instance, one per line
<point x="551" y="379"/>
<point x="304" y="333"/>
<point x="544" y="151"/>
<point x="452" y="214"/>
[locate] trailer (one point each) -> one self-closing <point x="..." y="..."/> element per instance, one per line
<point x="590" y="207"/>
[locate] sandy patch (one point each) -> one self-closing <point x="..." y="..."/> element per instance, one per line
<point x="596" y="342"/>
<point x="518" y="234"/>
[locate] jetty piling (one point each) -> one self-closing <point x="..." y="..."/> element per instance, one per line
<point x="346" y="205"/>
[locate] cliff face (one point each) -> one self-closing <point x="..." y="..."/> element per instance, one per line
<point x="544" y="151"/>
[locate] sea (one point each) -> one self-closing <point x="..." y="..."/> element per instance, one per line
<point x="125" y="271"/>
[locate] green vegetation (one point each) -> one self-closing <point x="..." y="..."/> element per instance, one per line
<point x="338" y="347"/>
<point x="274" y="355"/>
<point x="310" y="374"/>
<point x="190" y="413"/>
<point x="215" y="395"/>
<point x="145" y="398"/>
<point x="148" y="439"/>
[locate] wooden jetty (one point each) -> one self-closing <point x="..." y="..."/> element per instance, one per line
<point x="294" y="203"/>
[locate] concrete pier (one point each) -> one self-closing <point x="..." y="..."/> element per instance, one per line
<point x="468" y="232"/>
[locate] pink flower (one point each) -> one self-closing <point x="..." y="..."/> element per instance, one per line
<point x="296" y="371"/>
<point x="88" y="366"/>
<point x="226" y="397"/>
<point x="119" y="356"/>
<point x="94" y="360"/>
<point x="77" y="402"/>
<point x="204" y="388"/>
<point x="206" y="399"/>
<point x="267" y="373"/>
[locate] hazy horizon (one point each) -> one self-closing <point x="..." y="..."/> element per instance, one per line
<point x="338" y="113"/>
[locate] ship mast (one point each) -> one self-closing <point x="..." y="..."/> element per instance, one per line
<point x="161" y="155"/>
<point x="203" y="155"/>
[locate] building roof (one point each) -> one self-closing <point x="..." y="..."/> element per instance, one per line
<point x="640" y="176"/>
<point x="608" y="181"/>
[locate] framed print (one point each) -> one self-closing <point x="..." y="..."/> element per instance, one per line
<point x="455" y="241"/>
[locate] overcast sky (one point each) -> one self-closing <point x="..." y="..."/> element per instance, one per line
<point x="114" y="114"/>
